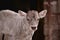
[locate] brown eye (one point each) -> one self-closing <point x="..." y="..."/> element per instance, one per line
<point x="28" y="19"/>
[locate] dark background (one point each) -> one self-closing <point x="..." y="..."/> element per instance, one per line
<point x="26" y="5"/>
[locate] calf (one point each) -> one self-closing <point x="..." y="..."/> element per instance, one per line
<point x="21" y="25"/>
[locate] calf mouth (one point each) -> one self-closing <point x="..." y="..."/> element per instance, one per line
<point x="33" y="28"/>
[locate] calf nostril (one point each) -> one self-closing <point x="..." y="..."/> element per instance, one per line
<point x="33" y="28"/>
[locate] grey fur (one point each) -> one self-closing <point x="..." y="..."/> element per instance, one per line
<point x="17" y="25"/>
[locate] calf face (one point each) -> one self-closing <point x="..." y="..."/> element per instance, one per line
<point x="33" y="17"/>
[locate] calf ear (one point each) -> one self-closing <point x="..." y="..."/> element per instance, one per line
<point x="42" y="13"/>
<point x="22" y="13"/>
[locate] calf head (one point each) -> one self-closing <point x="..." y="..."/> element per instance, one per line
<point x="33" y="17"/>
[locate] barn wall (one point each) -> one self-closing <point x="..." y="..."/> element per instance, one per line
<point x="52" y="21"/>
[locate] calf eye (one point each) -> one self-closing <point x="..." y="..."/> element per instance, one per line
<point x="27" y="19"/>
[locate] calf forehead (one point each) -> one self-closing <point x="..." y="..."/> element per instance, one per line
<point x="33" y="14"/>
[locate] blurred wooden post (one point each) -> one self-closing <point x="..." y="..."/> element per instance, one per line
<point x="46" y="26"/>
<point x="52" y="27"/>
